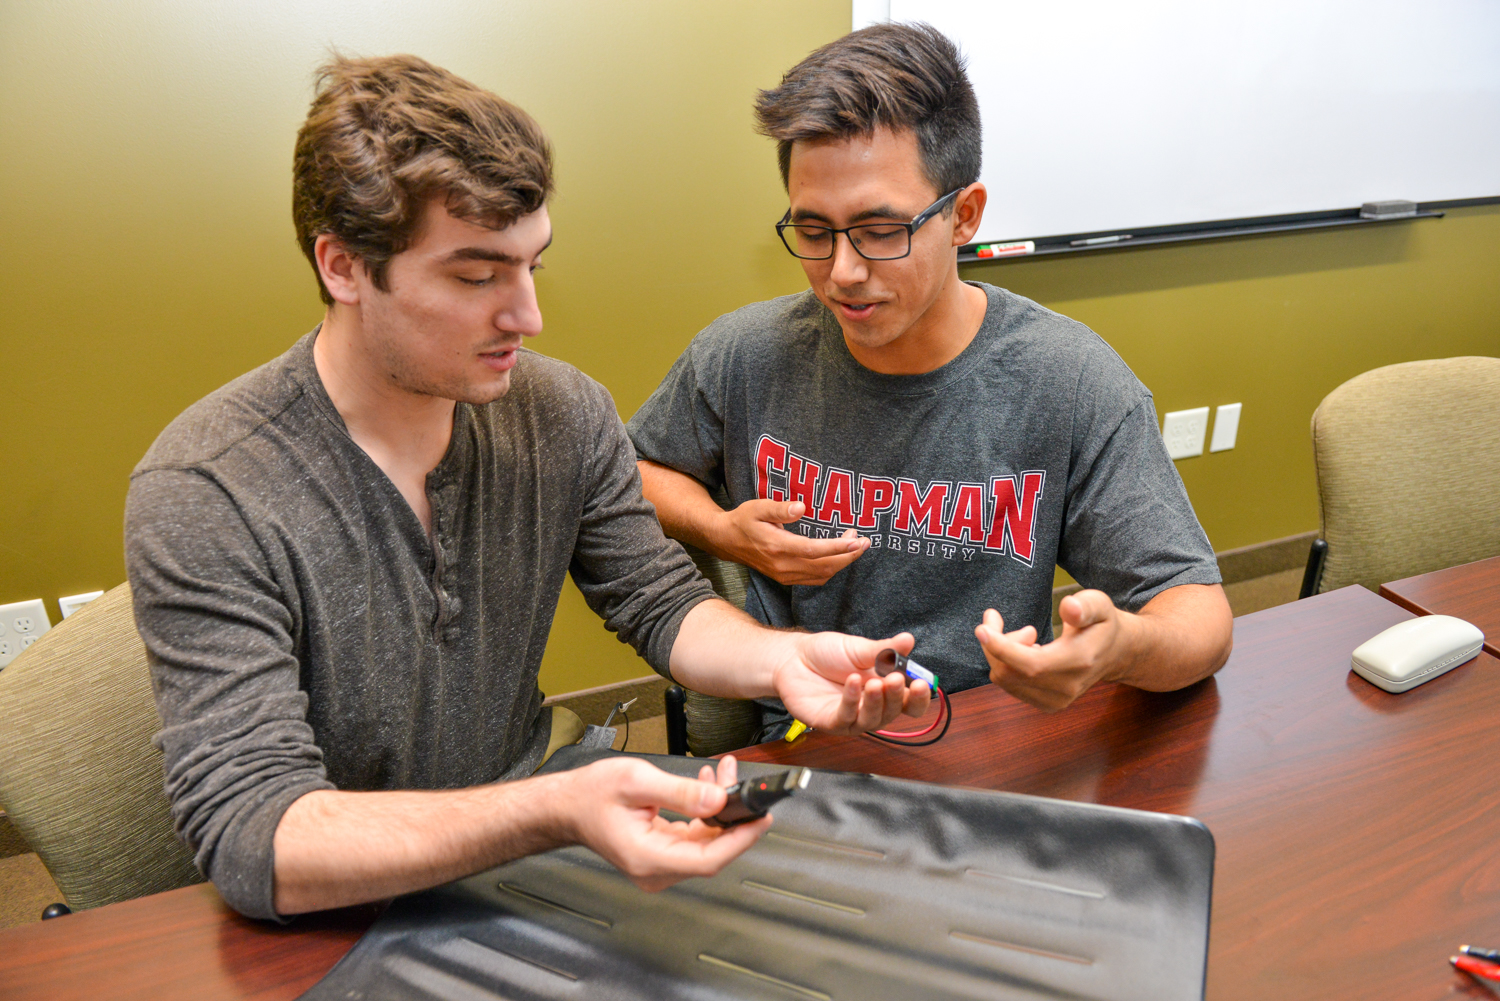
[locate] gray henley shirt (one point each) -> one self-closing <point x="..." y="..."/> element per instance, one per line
<point x="305" y="633"/>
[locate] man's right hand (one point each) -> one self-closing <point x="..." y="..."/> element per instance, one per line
<point x="334" y="848"/>
<point x="752" y="534"/>
<point x="613" y="806"/>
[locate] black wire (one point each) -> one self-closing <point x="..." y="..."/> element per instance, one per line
<point x="947" y="704"/>
<point x="627" y="729"/>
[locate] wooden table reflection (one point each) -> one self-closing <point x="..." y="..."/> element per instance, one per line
<point x="1355" y="829"/>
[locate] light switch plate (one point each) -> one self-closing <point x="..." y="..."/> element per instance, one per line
<point x="21" y="622"/>
<point x="1226" y="428"/>
<point x="1184" y="431"/>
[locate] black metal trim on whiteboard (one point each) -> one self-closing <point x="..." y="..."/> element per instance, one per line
<point x="1156" y="235"/>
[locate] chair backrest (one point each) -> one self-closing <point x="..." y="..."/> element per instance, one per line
<point x="1408" y="460"/>
<point x="79" y="776"/>
<point x="716" y="724"/>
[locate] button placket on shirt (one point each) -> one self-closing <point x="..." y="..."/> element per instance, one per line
<point x="445" y="628"/>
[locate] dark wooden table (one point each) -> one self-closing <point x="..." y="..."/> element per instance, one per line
<point x="184" y="944"/>
<point x="1470" y="592"/>
<point x="1356" y="830"/>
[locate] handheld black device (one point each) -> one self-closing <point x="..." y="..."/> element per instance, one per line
<point x="889" y="661"/>
<point x="751" y="798"/>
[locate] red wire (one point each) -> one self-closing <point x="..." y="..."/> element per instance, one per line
<point x="942" y="707"/>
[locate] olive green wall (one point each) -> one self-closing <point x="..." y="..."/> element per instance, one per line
<point x="146" y="251"/>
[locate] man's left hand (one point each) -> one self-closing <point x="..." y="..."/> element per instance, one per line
<point x="1181" y="636"/>
<point x="1050" y="676"/>
<point x="828" y="681"/>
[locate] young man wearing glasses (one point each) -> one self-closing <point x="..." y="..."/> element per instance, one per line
<point x="899" y="447"/>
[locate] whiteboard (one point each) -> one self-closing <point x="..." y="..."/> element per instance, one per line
<point x="1119" y="115"/>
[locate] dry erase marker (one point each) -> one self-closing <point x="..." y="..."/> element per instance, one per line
<point x="1005" y="249"/>
<point x="1488" y="955"/>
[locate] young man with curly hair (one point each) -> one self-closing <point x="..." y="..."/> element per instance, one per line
<point x="935" y="446"/>
<point x="345" y="563"/>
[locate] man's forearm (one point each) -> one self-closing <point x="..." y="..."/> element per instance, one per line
<point x="684" y="506"/>
<point x="722" y="651"/>
<point x="1182" y="635"/>
<point x="335" y="848"/>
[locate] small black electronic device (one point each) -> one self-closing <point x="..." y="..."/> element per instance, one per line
<point x="751" y="798"/>
<point x="888" y="661"/>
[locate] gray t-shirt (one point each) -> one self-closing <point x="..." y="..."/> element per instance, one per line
<point x="305" y="633"/>
<point x="1035" y="446"/>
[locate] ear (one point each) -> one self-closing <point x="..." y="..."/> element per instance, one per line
<point x="339" y="269"/>
<point x="968" y="210"/>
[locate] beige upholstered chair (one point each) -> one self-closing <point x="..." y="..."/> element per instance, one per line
<point x="1408" y="460"/>
<point x="714" y="724"/>
<point x="79" y="776"/>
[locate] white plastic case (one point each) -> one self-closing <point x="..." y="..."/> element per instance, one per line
<point x="1416" y="651"/>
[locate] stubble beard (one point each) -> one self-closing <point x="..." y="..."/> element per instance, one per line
<point x="406" y="375"/>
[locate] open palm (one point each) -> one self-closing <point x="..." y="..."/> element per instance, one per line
<point x="829" y="683"/>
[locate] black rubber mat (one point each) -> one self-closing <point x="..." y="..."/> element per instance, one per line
<point x="866" y="889"/>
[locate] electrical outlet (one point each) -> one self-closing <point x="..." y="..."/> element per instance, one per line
<point x="21" y="623"/>
<point x="74" y="602"/>
<point x="1184" y="431"/>
<point x="1226" y="427"/>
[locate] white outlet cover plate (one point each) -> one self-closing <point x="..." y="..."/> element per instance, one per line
<point x="21" y="622"/>
<point x="1184" y="431"/>
<point x="1226" y="428"/>
<point x="73" y="602"/>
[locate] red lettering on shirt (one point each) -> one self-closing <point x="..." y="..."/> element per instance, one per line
<point x="1001" y="520"/>
<point x="877" y="495"/>
<point x="968" y="514"/>
<point x="770" y="455"/>
<point x="838" y="499"/>
<point x="1013" y="523"/>
<point x="802" y="480"/>
<point x="913" y="508"/>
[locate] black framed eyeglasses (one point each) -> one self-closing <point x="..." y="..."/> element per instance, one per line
<point x="875" y="241"/>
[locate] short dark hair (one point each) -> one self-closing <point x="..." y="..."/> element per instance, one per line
<point x="901" y="76"/>
<point x="385" y="135"/>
